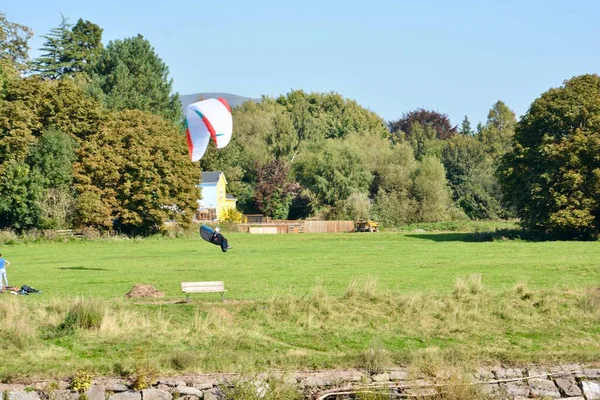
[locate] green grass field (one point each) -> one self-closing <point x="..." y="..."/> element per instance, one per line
<point x="260" y="266"/>
<point x="299" y="301"/>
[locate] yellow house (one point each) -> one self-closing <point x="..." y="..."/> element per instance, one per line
<point x="215" y="199"/>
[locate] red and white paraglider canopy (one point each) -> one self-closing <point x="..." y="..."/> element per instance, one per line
<point x="205" y="120"/>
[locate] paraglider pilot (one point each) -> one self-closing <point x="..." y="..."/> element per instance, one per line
<point x="219" y="239"/>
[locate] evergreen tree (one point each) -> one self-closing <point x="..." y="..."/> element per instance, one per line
<point x="69" y="49"/>
<point x="129" y="75"/>
<point x="85" y="46"/>
<point x="54" y="62"/>
<point x="465" y="127"/>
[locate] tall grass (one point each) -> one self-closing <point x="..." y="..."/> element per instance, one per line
<point x="471" y="285"/>
<point x="369" y="328"/>
<point x="365" y="291"/>
<point x="86" y="313"/>
<point x="375" y="359"/>
<point x="590" y="301"/>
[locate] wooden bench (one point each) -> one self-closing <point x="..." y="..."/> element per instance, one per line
<point x="202" y="287"/>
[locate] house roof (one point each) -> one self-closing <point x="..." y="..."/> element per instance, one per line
<point x="230" y="197"/>
<point x="211" y="177"/>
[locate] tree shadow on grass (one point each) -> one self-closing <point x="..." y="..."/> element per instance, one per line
<point x="444" y="237"/>
<point x="85" y="269"/>
<point x="475" y="237"/>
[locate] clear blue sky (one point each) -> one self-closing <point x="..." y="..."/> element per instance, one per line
<point x="458" y="57"/>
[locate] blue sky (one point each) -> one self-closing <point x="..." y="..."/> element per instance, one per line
<point x="457" y="57"/>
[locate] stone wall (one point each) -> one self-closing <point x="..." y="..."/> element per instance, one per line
<point x="567" y="381"/>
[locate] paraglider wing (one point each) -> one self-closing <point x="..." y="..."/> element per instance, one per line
<point x="208" y="119"/>
<point x="206" y="233"/>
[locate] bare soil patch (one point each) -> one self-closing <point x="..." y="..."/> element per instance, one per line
<point x="144" y="291"/>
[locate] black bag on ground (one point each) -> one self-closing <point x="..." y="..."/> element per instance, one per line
<point x="28" y="289"/>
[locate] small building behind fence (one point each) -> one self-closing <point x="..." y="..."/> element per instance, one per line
<point x="215" y="200"/>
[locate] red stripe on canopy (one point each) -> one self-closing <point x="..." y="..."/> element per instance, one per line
<point x="225" y="103"/>
<point x="213" y="134"/>
<point x="189" y="141"/>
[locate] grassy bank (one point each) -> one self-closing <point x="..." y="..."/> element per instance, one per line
<point x="365" y="328"/>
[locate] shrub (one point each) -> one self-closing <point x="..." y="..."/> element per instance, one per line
<point x="8" y="236"/>
<point x="142" y="377"/>
<point x="232" y="215"/>
<point x="374" y="360"/>
<point x="183" y="360"/>
<point x="84" y="314"/>
<point x="81" y="381"/>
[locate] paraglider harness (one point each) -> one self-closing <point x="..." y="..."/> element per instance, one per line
<point x="28" y="289"/>
<point x="219" y="240"/>
<point x="214" y="237"/>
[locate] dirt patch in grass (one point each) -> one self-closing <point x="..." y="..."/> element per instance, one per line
<point x="144" y="291"/>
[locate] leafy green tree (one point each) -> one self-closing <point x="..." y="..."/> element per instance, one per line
<point x="315" y="117"/>
<point x="91" y="210"/>
<point x="318" y="116"/>
<point x="20" y="195"/>
<point x="305" y="204"/>
<point x="137" y="167"/>
<point x="409" y="190"/>
<point x="16" y="135"/>
<point x="478" y="129"/>
<point x="333" y="171"/>
<point x="129" y="75"/>
<point x="394" y="204"/>
<point x="57" y="207"/>
<point x="282" y="141"/>
<point x="40" y="122"/>
<point x="356" y="207"/>
<point x="424" y="142"/>
<point x="552" y="174"/>
<point x="14" y="47"/>
<point x="430" y="191"/>
<point x="498" y="131"/>
<point x="292" y="129"/>
<point x="470" y="173"/>
<point x="53" y="155"/>
<point x="31" y="105"/>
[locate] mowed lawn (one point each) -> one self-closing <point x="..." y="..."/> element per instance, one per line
<point x="260" y="266"/>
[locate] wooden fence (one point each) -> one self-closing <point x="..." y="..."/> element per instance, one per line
<point x="328" y="226"/>
<point x="282" y="226"/>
